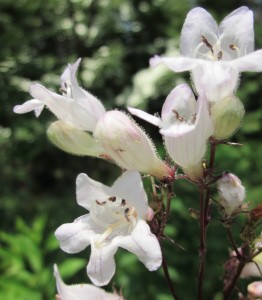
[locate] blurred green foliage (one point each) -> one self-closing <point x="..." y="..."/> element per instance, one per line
<point x="115" y="40"/>
<point x="25" y="267"/>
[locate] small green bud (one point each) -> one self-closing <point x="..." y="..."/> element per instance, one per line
<point x="227" y="115"/>
<point x="72" y="140"/>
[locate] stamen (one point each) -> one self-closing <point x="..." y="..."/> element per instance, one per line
<point x="205" y="41"/>
<point x="177" y="115"/>
<point x="123" y="202"/>
<point x="219" y="55"/>
<point x="112" y="198"/>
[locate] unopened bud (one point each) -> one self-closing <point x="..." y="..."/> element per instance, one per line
<point x="129" y="146"/>
<point x="72" y="140"/>
<point x="231" y="192"/>
<point x="227" y="115"/>
<point x="255" y="290"/>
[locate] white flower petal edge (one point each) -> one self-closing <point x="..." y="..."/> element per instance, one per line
<point x="75" y="106"/>
<point x="30" y="105"/>
<point x="75" y="237"/>
<point x="198" y="23"/>
<point x="180" y="113"/>
<point x="89" y="190"/>
<point x="101" y="267"/>
<point x="80" y="291"/>
<point x="238" y="26"/>
<point x="116" y="219"/>
<point x="143" y="244"/>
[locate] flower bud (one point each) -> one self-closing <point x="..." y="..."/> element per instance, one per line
<point x="255" y="290"/>
<point x="129" y="146"/>
<point x="231" y="192"/>
<point x="227" y="115"/>
<point x="72" y="140"/>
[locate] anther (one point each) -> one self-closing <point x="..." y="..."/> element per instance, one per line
<point x="100" y="203"/>
<point x="126" y="214"/>
<point x="205" y="41"/>
<point x="233" y="47"/>
<point x="112" y="198"/>
<point x="61" y="90"/>
<point x="193" y="118"/>
<point x="177" y="115"/>
<point x="123" y="202"/>
<point x="219" y="55"/>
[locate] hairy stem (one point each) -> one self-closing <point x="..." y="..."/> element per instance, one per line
<point x="204" y="205"/>
<point x="229" y="289"/>
<point x="232" y="241"/>
<point x="202" y="246"/>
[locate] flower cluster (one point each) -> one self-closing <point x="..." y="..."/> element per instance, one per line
<point x="120" y="215"/>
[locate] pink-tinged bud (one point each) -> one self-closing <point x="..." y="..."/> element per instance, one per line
<point x="255" y="290"/>
<point x="150" y="214"/>
<point x="129" y="146"/>
<point x="231" y="192"/>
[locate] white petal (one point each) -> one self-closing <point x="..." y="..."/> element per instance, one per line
<point x="87" y="104"/>
<point x="177" y="64"/>
<point x="80" y="291"/>
<point x="188" y="149"/>
<point x="217" y="78"/>
<point x="237" y="29"/>
<point x="129" y="186"/>
<point x="145" y="116"/>
<point x="198" y="23"/>
<point x="251" y="62"/>
<point x="177" y="130"/>
<point x="180" y="98"/>
<point x="64" y="108"/>
<point x="89" y="190"/>
<point x="28" y="106"/>
<point x="144" y="244"/>
<point x="65" y="77"/>
<point x="74" y="237"/>
<point x="101" y="266"/>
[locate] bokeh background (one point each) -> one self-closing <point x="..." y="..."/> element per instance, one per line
<point x="115" y="39"/>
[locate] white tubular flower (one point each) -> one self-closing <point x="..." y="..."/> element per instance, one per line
<point x="116" y="219"/>
<point x="231" y="192"/>
<point x="81" y="291"/>
<point x="129" y="146"/>
<point x="186" y="125"/>
<point x="216" y="54"/>
<point x="75" y="106"/>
